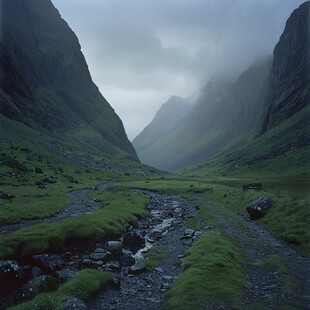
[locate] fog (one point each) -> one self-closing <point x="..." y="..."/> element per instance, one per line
<point x="140" y="52"/>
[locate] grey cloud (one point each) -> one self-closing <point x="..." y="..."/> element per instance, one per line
<point x="143" y="51"/>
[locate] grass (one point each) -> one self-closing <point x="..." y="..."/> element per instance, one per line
<point x="150" y="264"/>
<point x="211" y="273"/>
<point x="278" y="264"/>
<point x="124" y="207"/>
<point x="157" y="253"/>
<point x="84" y="286"/>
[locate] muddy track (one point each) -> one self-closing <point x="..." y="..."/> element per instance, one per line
<point x="81" y="205"/>
<point x="262" y="285"/>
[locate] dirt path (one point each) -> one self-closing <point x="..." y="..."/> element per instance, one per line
<point x="81" y="205"/>
<point x="263" y="286"/>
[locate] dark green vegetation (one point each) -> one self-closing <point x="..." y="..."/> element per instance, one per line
<point x="212" y="274"/>
<point x="45" y="82"/>
<point x="120" y="208"/>
<point x="84" y="286"/>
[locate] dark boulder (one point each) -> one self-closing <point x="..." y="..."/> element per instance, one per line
<point x="39" y="285"/>
<point x="133" y="241"/>
<point x="257" y="186"/>
<point x="127" y="260"/>
<point x="38" y="170"/>
<point x="259" y="207"/>
<point x="115" y="248"/>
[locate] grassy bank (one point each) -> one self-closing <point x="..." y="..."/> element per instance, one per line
<point x="84" y="286"/>
<point x="120" y="207"/>
<point x="212" y="272"/>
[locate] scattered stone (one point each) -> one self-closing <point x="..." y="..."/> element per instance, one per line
<point x="115" y="247"/>
<point x="138" y="268"/>
<point x="4" y="195"/>
<point x="189" y="233"/>
<point x="115" y="283"/>
<point x="38" y="170"/>
<point x="257" y="186"/>
<point x="74" y="303"/>
<point x="259" y="207"/>
<point x="65" y="274"/>
<point x="99" y="256"/>
<point x="127" y="260"/>
<point x="36" y="271"/>
<point x="159" y="269"/>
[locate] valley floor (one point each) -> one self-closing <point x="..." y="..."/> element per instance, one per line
<point x="197" y="255"/>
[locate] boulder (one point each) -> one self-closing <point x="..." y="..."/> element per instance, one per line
<point x="259" y="207"/>
<point x="65" y="274"/>
<point x="36" y="271"/>
<point x="74" y="303"/>
<point x="138" y="268"/>
<point x="115" y="248"/>
<point x="38" y="170"/>
<point x="10" y="276"/>
<point x="99" y="256"/>
<point x="39" y="285"/>
<point x="257" y="186"/>
<point x="133" y="241"/>
<point x="127" y="260"/>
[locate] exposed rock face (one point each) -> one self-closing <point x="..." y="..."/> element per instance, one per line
<point x="45" y="82"/>
<point x="259" y="207"/>
<point x="289" y="87"/>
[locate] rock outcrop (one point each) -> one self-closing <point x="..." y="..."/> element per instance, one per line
<point x="45" y="82"/>
<point x="289" y="86"/>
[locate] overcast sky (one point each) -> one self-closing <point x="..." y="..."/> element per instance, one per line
<point x="140" y="52"/>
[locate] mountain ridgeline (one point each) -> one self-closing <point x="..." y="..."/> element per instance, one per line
<point x="45" y="81"/>
<point x="230" y="114"/>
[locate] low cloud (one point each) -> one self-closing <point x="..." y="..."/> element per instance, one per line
<point x="142" y="52"/>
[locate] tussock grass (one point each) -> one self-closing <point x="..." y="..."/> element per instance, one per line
<point x="211" y="272"/>
<point x="84" y="285"/>
<point x="124" y="207"/>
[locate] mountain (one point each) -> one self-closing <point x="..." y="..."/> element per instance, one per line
<point x="224" y="114"/>
<point x="289" y="87"/>
<point x="163" y="122"/>
<point x="45" y="82"/>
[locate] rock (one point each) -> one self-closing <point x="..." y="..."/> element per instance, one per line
<point x="133" y="241"/>
<point x="113" y="265"/>
<point x="259" y="207"/>
<point x="10" y="276"/>
<point x="99" y="256"/>
<point x="39" y="285"/>
<point x="55" y="262"/>
<point x="115" y="247"/>
<point x="189" y="233"/>
<point x="4" y="195"/>
<point x="74" y="303"/>
<point x="138" y="268"/>
<point x="65" y="274"/>
<point x="36" y="271"/>
<point x="256" y="186"/>
<point x="115" y="283"/>
<point x="49" y="180"/>
<point x="38" y="170"/>
<point x="127" y="261"/>
<point x="159" y="269"/>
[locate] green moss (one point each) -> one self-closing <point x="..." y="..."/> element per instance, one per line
<point x="212" y="273"/>
<point x="124" y="207"/>
<point x="150" y="264"/>
<point x="84" y="285"/>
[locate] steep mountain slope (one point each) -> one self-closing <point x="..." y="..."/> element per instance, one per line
<point x="45" y="82"/>
<point x="163" y="122"/>
<point x="283" y="146"/>
<point x="225" y="112"/>
<point x="289" y="88"/>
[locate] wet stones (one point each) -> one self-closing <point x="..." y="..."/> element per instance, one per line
<point x="126" y="260"/>
<point x="74" y="303"/>
<point x="189" y="233"/>
<point x="259" y="207"/>
<point x="136" y="269"/>
<point x="115" y="248"/>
